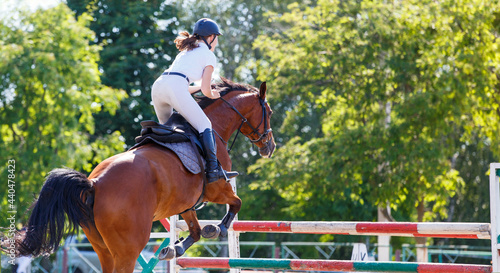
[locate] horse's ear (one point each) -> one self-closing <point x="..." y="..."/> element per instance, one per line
<point x="263" y="89"/>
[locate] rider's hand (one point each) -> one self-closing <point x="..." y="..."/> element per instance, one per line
<point x="215" y="94"/>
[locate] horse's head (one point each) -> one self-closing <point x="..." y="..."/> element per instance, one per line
<point x="258" y="127"/>
<point x="252" y="109"/>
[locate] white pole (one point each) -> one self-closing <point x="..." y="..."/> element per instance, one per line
<point x="384" y="241"/>
<point x="174" y="236"/>
<point x="233" y="236"/>
<point x="495" y="216"/>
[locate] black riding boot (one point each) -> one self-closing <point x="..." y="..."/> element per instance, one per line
<point x="214" y="170"/>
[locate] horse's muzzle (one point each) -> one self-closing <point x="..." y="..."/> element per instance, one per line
<point x="268" y="149"/>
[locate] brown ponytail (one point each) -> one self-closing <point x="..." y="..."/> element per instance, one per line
<point x="185" y="41"/>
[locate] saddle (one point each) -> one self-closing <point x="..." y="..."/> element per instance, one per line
<point x="178" y="136"/>
<point x="175" y="130"/>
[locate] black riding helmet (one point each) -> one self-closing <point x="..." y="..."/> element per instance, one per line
<point x="206" y="27"/>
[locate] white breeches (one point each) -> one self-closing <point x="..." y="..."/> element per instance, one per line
<point x="170" y="92"/>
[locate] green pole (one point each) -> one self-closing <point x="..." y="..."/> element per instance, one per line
<point x="149" y="266"/>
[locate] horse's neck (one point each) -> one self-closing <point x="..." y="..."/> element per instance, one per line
<point x="225" y="121"/>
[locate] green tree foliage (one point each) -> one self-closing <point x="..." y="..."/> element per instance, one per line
<point x="472" y="204"/>
<point x="50" y="89"/>
<point x="377" y="97"/>
<point x="138" y="45"/>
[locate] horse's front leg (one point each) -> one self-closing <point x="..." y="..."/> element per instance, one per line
<point x="212" y="231"/>
<point x="226" y="222"/>
<point x="182" y="244"/>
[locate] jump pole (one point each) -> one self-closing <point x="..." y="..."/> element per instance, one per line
<point x="327" y="265"/>
<point x="406" y="229"/>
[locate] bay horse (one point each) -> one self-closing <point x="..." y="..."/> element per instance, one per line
<point x="117" y="204"/>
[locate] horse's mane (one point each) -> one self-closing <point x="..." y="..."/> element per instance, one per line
<point x="224" y="87"/>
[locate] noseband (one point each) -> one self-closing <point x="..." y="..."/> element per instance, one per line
<point x="255" y="131"/>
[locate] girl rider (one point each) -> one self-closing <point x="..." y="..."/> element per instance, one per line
<point x="195" y="61"/>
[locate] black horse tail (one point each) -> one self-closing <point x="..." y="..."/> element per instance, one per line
<point x="65" y="193"/>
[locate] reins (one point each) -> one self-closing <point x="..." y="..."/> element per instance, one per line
<point x="244" y="120"/>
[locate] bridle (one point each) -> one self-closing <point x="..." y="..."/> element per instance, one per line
<point x="261" y="137"/>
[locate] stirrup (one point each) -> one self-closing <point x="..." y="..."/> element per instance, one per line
<point x="229" y="175"/>
<point x="219" y="173"/>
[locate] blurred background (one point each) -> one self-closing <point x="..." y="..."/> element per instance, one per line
<point x="383" y="110"/>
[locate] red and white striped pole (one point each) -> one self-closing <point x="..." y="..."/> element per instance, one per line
<point x="406" y="229"/>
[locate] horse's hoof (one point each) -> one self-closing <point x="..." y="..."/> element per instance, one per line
<point x="168" y="253"/>
<point x="210" y="232"/>
<point x="223" y="231"/>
